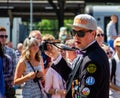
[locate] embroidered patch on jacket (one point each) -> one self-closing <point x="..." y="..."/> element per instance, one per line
<point x="90" y="80"/>
<point x="85" y="91"/>
<point x="91" y="68"/>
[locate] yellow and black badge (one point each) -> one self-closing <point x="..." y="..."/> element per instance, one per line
<point x="91" y="68"/>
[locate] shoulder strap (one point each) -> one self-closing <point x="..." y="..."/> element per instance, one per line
<point x="31" y="66"/>
<point x="113" y="70"/>
<point x="34" y="71"/>
<point x="74" y="71"/>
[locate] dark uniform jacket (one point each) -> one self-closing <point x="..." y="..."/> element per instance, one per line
<point x="92" y="74"/>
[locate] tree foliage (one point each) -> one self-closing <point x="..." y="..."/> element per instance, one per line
<point x="47" y="26"/>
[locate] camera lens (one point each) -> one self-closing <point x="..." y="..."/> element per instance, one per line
<point x="43" y="46"/>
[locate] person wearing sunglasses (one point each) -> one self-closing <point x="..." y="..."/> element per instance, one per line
<point x="11" y="53"/>
<point x="109" y="51"/>
<point x="100" y="39"/>
<point x="100" y="36"/>
<point x="91" y="71"/>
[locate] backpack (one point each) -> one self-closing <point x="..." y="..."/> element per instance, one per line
<point x="113" y="70"/>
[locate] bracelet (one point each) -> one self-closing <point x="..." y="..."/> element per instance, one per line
<point x="55" y="91"/>
<point x="64" y="92"/>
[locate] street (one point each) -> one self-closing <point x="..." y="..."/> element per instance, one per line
<point x="18" y="93"/>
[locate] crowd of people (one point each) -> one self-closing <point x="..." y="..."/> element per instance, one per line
<point x="88" y="67"/>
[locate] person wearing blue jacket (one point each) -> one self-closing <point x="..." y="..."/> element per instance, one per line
<point x="2" y="90"/>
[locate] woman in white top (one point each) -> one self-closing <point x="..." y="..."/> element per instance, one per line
<point x="54" y="84"/>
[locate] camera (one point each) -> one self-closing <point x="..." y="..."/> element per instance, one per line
<point x="36" y="78"/>
<point x="43" y="45"/>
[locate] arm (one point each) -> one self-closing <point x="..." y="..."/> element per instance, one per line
<point x="8" y="67"/>
<point x="63" y="69"/>
<point x="1" y="79"/>
<point x="114" y="87"/>
<point x="60" y="65"/>
<point x="57" y="91"/>
<point x="49" y="82"/>
<point x="19" y="78"/>
<point x="50" y="85"/>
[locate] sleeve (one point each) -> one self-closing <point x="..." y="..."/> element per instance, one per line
<point x="62" y="68"/>
<point x="1" y="79"/>
<point x="48" y="80"/>
<point x="14" y="60"/>
<point x="9" y="69"/>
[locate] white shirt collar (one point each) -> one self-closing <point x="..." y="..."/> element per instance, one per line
<point x="88" y="45"/>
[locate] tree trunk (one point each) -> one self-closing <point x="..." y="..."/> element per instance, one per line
<point x="59" y="10"/>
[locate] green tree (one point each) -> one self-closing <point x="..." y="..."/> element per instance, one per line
<point x="47" y="26"/>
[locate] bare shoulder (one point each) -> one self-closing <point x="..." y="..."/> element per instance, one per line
<point x="21" y="63"/>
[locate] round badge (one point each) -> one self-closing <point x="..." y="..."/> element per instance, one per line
<point x="90" y="80"/>
<point x="91" y="68"/>
<point x="85" y="91"/>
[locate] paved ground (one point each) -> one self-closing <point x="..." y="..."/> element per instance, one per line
<point x="18" y="93"/>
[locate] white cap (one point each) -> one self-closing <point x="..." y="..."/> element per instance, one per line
<point x="84" y="21"/>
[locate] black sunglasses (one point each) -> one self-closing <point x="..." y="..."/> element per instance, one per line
<point x="100" y="35"/>
<point x="3" y="36"/>
<point x="79" y="33"/>
<point x="118" y="46"/>
<point x="110" y="52"/>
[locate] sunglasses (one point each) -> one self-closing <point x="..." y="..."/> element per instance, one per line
<point x="118" y="46"/>
<point x="110" y="52"/>
<point x="100" y="35"/>
<point x="3" y="36"/>
<point x="79" y="33"/>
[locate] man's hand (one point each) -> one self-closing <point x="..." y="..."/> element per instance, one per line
<point x="52" y="51"/>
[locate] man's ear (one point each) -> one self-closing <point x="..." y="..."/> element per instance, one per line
<point x="94" y="33"/>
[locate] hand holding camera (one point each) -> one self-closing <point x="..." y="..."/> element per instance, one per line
<point x="31" y="75"/>
<point x="38" y="76"/>
<point x="52" y="52"/>
<point x="51" y="48"/>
